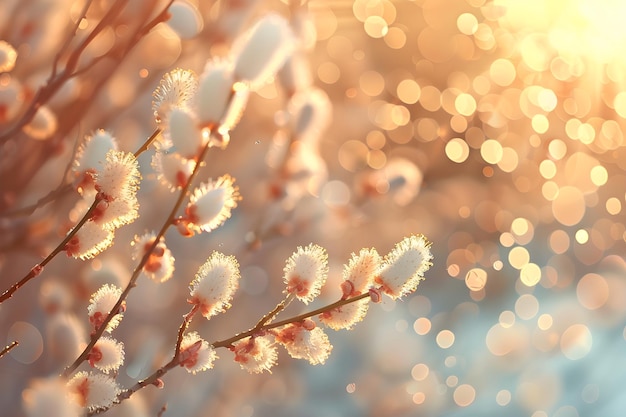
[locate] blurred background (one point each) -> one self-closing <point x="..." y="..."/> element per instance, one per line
<point x="495" y="128"/>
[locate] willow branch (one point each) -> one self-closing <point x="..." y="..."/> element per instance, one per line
<point x="175" y="361"/>
<point x="229" y="342"/>
<point x="37" y="269"/>
<point x="137" y="271"/>
<point x="8" y="348"/>
<point x="272" y="314"/>
<point x="183" y="326"/>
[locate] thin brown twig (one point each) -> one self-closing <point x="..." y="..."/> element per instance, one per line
<point x="30" y="209"/>
<point x="228" y="342"/>
<point x="183" y="326"/>
<point x="272" y="314"/>
<point x="36" y="270"/>
<point x="8" y="348"/>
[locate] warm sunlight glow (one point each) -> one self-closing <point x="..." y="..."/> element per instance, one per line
<point x="573" y="29"/>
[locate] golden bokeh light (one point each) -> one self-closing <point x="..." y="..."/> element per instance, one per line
<point x="576" y="341"/>
<point x="526" y="306"/>
<point x="464" y="395"/>
<point x="445" y="339"/>
<point x="420" y="372"/>
<point x="568" y="207"/>
<point x="530" y="274"/>
<point x="476" y="279"/>
<point x="519" y="257"/>
<point x="422" y="326"/>
<point x="457" y="150"/>
<point x="592" y="291"/>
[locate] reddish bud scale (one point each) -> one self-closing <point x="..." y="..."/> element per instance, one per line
<point x="375" y="295"/>
<point x="181" y="179"/>
<point x="183" y="228"/>
<point x="286" y="335"/>
<point x="96" y="320"/>
<point x="94" y="356"/>
<point x="347" y="289"/>
<point x="72" y="246"/>
<point x="99" y="210"/>
<point x="308" y="324"/>
<point x="86" y="180"/>
<point x="191" y="216"/>
<point x="242" y="350"/>
<point x="153" y="265"/>
<point x="276" y="191"/>
<point x="83" y="390"/>
<point x="204" y="307"/>
<point x="297" y="286"/>
<point x="189" y="356"/>
<point x="36" y="270"/>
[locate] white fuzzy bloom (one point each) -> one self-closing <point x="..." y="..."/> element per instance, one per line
<point x="55" y="296"/>
<point x="176" y="89"/>
<point x="260" y="52"/>
<point x="302" y="343"/>
<point x="311" y="110"/>
<point x="215" y="284"/>
<point x="196" y="358"/>
<point x="255" y="355"/>
<point x="119" y="176"/>
<point x="305" y="272"/>
<point x="238" y="103"/>
<point x="101" y="304"/>
<point x="8" y="56"/>
<point x="49" y="398"/>
<point x="160" y="267"/>
<point x="65" y="337"/>
<point x="345" y="316"/>
<point x="361" y="270"/>
<point x="211" y="204"/>
<point x="113" y="271"/>
<point x="185" y="19"/>
<point x="43" y="124"/>
<point x="93" y="390"/>
<point x="295" y="75"/>
<point x="173" y="170"/>
<point x="306" y="170"/>
<point x="404" y="179"/>
<point x="183" y="131"/>
<point x="93" y="151"/>
<point x="404" y="267"/>
<point x="215" y="88"/>
<point x="89" y="241"/>
<point x="107" y="355"/>
<point x="110" y="215"/>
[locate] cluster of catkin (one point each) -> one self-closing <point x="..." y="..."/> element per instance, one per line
<point x="195" y="113"/>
